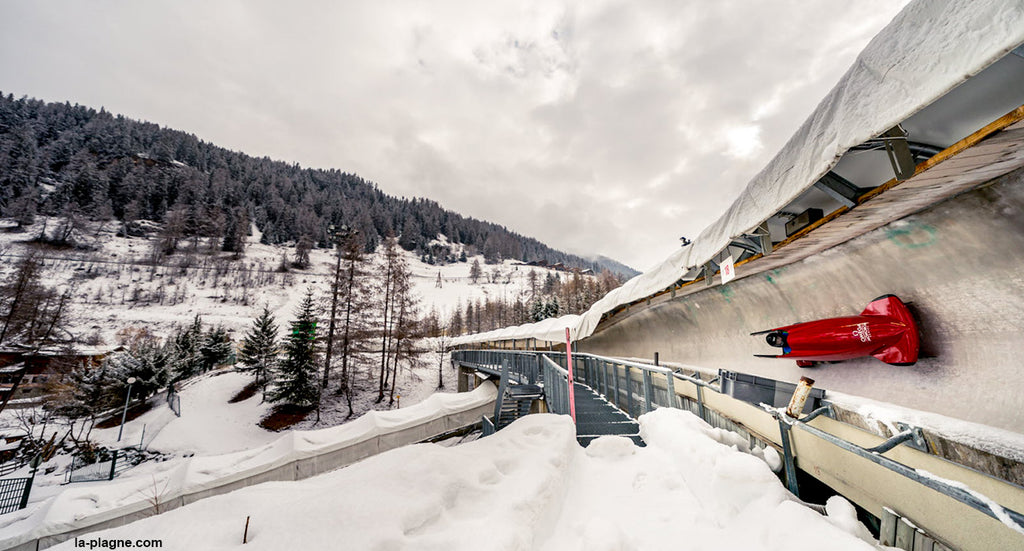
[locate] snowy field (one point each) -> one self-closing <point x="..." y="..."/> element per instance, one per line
<point x="529" y="487"/>
<point x="114" y="288"/>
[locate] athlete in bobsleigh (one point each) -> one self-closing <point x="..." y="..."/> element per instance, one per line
<point x="884" y="330"/>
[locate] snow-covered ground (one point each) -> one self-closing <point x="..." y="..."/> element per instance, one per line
<point x="531" y="486"/>
<point x="116" y="289"/>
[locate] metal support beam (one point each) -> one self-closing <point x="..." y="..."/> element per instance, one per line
<point x="839" y="188"/>
<point x="764" y="237"/>
<point x="709" y="272"/>
<point x="701" y="411"/>
<point x="896" y="147"/>
<point x="747" y="243"/>
<point x="788" y="461"/>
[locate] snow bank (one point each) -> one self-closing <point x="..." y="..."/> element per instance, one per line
<point x="528" y="487"/>
<point x="295" y="455"/>
<point x="927" y="50"/>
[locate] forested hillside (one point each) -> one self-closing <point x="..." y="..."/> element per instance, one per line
<point x="75" y="162"/>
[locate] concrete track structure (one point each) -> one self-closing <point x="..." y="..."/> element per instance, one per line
<point x="959" y="262"/>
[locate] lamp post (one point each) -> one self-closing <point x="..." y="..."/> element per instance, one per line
<point x="124" y="415"/>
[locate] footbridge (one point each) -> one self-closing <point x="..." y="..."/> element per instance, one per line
<point x="905" y="481"/>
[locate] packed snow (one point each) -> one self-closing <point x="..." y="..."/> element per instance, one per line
<point x="530" y="486"/>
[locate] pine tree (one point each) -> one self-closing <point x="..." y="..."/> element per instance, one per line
<point x="151" y="369"/>
<point x="259" y="349"/>
<point x="537" y="310"/>
<point x="296" y="375"/>
<point x="187" y="358"/>
<point x="215" y="348"/>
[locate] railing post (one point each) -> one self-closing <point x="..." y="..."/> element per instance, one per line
<point x="28" y="485"/>
<point x="502" y="385"/>
<point x="113" y="465"/>
<point x="670" y="384"/>
<point x="629" y="392"/>
<point x="787" y="453"/>
<point x="615" y="378"/>
<point x="648" y="392"/>
<point x="700" y="401"/>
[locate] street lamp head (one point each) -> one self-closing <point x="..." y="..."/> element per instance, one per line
<point x="131" y="380"/>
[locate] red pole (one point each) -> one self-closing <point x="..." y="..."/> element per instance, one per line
<point x="568" y="363"/>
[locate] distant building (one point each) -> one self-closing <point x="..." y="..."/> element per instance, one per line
<point x="25" y="371"/>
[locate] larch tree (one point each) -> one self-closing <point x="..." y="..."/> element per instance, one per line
<point x="349" y="297"/>
<point x="405" y="322"/>
<point x="475" y="271"/>
<point x="389" y="262"/>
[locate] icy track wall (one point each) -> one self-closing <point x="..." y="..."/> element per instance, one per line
<point x="295" y="456"/>
<point x="961" y="265"/>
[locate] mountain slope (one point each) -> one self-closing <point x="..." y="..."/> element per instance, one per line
<point x="63" y="159"/>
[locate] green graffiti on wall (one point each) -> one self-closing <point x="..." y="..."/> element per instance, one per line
<point x="912" y="235"/>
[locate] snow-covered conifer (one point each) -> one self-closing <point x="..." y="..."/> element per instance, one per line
<point x="296" y="375"/>
<point x="259" y="349"/>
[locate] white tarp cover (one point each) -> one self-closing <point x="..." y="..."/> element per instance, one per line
<point x="927" y="50"/>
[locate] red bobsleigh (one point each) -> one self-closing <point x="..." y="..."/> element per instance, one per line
<point x="885" y="330"/>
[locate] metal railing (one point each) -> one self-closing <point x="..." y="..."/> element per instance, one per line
<point x="635" y="388"/>
<point x="524" y="367"/>
<point x="556" y="386"/>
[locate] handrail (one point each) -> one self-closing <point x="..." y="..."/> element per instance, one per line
<point x="647" y="367"/>
<point x="561" y="370"/>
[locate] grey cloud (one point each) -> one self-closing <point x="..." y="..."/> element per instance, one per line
<point x="598" y="127"/>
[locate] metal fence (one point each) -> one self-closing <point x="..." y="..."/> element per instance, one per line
<point x="11" y="466"/>
<point x="14" y="494"/>
<point x="88" y="469"/>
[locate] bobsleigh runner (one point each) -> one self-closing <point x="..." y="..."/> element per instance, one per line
<point x="884" y="330"/>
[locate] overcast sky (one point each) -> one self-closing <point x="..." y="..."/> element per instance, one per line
<point x="598" y="127"/>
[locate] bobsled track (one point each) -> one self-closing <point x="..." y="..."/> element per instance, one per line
<point x="906" y="180"/>
<point x="960" y="265"/>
